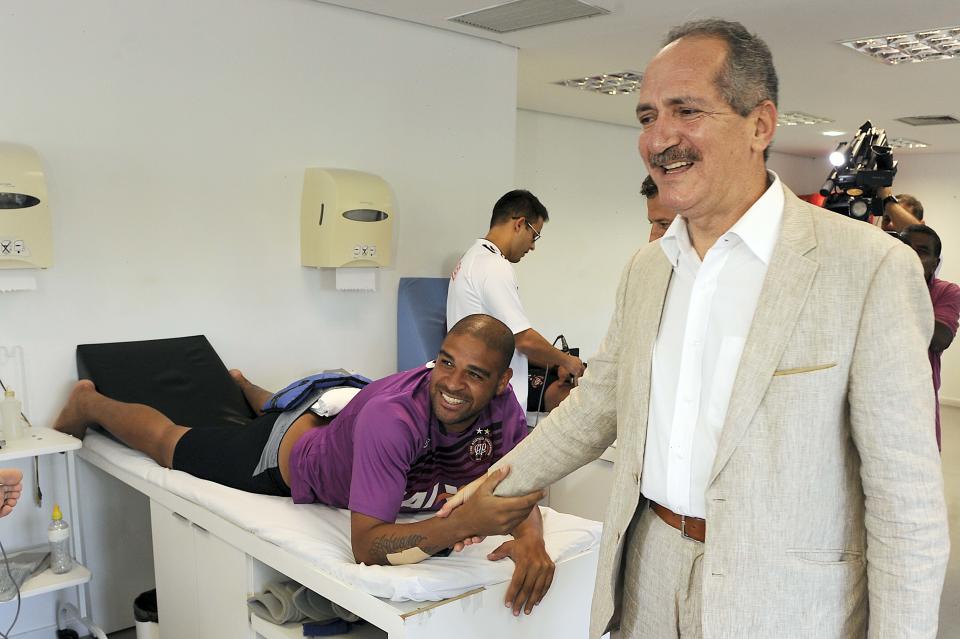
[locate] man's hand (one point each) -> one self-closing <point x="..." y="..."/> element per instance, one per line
<point x="486" y="514"/>
<point x="11" y="484"/>
<point x="572" y="370"/>
<point x="455" y="501"/>
<point x="532" y="575"/>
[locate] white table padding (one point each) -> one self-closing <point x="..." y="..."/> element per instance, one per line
<point x="320" y="535"/>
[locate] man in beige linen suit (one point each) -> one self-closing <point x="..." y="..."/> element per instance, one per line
<point x="757" y="403"/>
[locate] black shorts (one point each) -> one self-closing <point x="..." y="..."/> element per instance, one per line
<point x="536" y="380"/>
<point x="228" y="455"/>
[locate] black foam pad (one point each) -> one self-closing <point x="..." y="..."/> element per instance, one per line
<point x="182" y="377"/>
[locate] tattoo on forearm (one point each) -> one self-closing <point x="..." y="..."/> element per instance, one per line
<point x="388" y="545"/>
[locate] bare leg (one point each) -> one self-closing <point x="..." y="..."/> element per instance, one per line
<point x="255" y="395"/>
<point x="556" y="393"/>
<point x="138" y="426"/>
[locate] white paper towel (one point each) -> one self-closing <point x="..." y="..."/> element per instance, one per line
<point x="17" y="281"/>
<point x="356" y="279"/>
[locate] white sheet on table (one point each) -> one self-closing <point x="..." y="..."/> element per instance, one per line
<point x="320" y="535"/>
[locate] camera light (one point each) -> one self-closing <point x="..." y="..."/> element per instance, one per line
<point x="838" y="158"/>
<point x="858" y="209"/>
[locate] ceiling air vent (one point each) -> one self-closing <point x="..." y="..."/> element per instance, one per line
<point x="525" y="14"/>
<point x="929" y="120"/>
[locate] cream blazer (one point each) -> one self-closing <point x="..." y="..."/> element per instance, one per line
<point x="825" y="508"/>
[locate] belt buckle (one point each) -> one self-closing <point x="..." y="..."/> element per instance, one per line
<point x="683" y="528"/>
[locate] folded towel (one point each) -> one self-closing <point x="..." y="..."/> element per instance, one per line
<point x="275" y="603"/>
<point x="287" y="601"/>
<point x="319" y="608"/>
<point x="23" y="565"/>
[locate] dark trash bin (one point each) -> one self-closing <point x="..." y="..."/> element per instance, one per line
<point x="145" y="615"/>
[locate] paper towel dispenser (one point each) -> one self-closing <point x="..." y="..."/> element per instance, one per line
<point x="25" y="230"/>
<point x="346" y="219"/>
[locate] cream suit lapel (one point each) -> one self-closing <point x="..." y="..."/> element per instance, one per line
<point x="785" y="288"/>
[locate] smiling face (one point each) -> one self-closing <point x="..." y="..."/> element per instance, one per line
<point x="467" y="375"/>
<point x="706" y="159"/>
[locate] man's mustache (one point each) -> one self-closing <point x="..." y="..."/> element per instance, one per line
<point x="674" y="154"/>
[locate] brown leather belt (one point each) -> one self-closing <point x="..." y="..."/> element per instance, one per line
<point x="690" y="527"/>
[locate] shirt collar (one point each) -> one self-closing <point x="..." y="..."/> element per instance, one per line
<point x="489" y="246"/>
<point x="758" y="228"/>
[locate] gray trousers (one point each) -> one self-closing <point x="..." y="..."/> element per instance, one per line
<point x="663" y="582"/>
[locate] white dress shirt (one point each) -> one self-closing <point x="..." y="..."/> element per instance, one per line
<point x="706" y="317"/>
<point x="485" y="282"/>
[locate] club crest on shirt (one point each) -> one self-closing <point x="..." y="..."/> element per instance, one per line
<point x="481" y="446"/>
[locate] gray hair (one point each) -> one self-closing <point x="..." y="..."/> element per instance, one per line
<point x="748" y="76"/>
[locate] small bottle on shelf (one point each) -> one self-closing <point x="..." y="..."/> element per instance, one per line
<point x="10" y="416"/>
<point x="59" y="535"/>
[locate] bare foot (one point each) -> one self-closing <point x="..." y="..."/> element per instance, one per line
<point x="238" y="377"/>
<point x="10" y="487"/>
<point x="71" y="419"/>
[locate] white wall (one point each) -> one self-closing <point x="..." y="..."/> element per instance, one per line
<point x="175" y="134"/>
<point x="588" y="175"/>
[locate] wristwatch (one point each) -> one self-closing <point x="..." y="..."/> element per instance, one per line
<point x="890" y="199"/>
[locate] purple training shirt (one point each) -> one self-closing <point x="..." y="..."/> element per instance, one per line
<point x="386" y="452"/>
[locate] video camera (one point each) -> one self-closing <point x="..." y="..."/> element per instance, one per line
<point x="862" y="166"/>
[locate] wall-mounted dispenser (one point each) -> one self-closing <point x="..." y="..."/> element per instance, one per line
<point x="25" y="229"/>
<point x="346" y="219"/>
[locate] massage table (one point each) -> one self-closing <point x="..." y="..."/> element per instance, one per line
<point x="214" y="546"/>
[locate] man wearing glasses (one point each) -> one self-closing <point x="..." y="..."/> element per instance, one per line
<point x="484" y="282"/>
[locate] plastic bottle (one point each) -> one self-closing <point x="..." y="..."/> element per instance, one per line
<point x="10" y="415"/>
<point x="59" y="534"/>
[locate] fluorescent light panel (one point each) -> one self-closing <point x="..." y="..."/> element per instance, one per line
<point x="795" y="118"/>
<point x="916" y="46"/>
<point x="608" y="83"/>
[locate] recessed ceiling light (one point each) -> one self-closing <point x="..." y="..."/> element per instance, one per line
<point x="904" y="143"/>
<point x="795" y="118"/>
<point x="833" y="134"/>
<point x="609" y="83"/>
<point x="941" y="43"/>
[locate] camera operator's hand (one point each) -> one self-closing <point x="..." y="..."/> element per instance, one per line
<point x="571" y="370"/>
<point x="896" y="217"/>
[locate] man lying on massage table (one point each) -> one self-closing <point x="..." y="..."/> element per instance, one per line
<point x="405" y="442"/>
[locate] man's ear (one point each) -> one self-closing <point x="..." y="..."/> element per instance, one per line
<point x="518" y="224"/>
<point x="504" y="380"/>
<point x="765" y="124"/>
